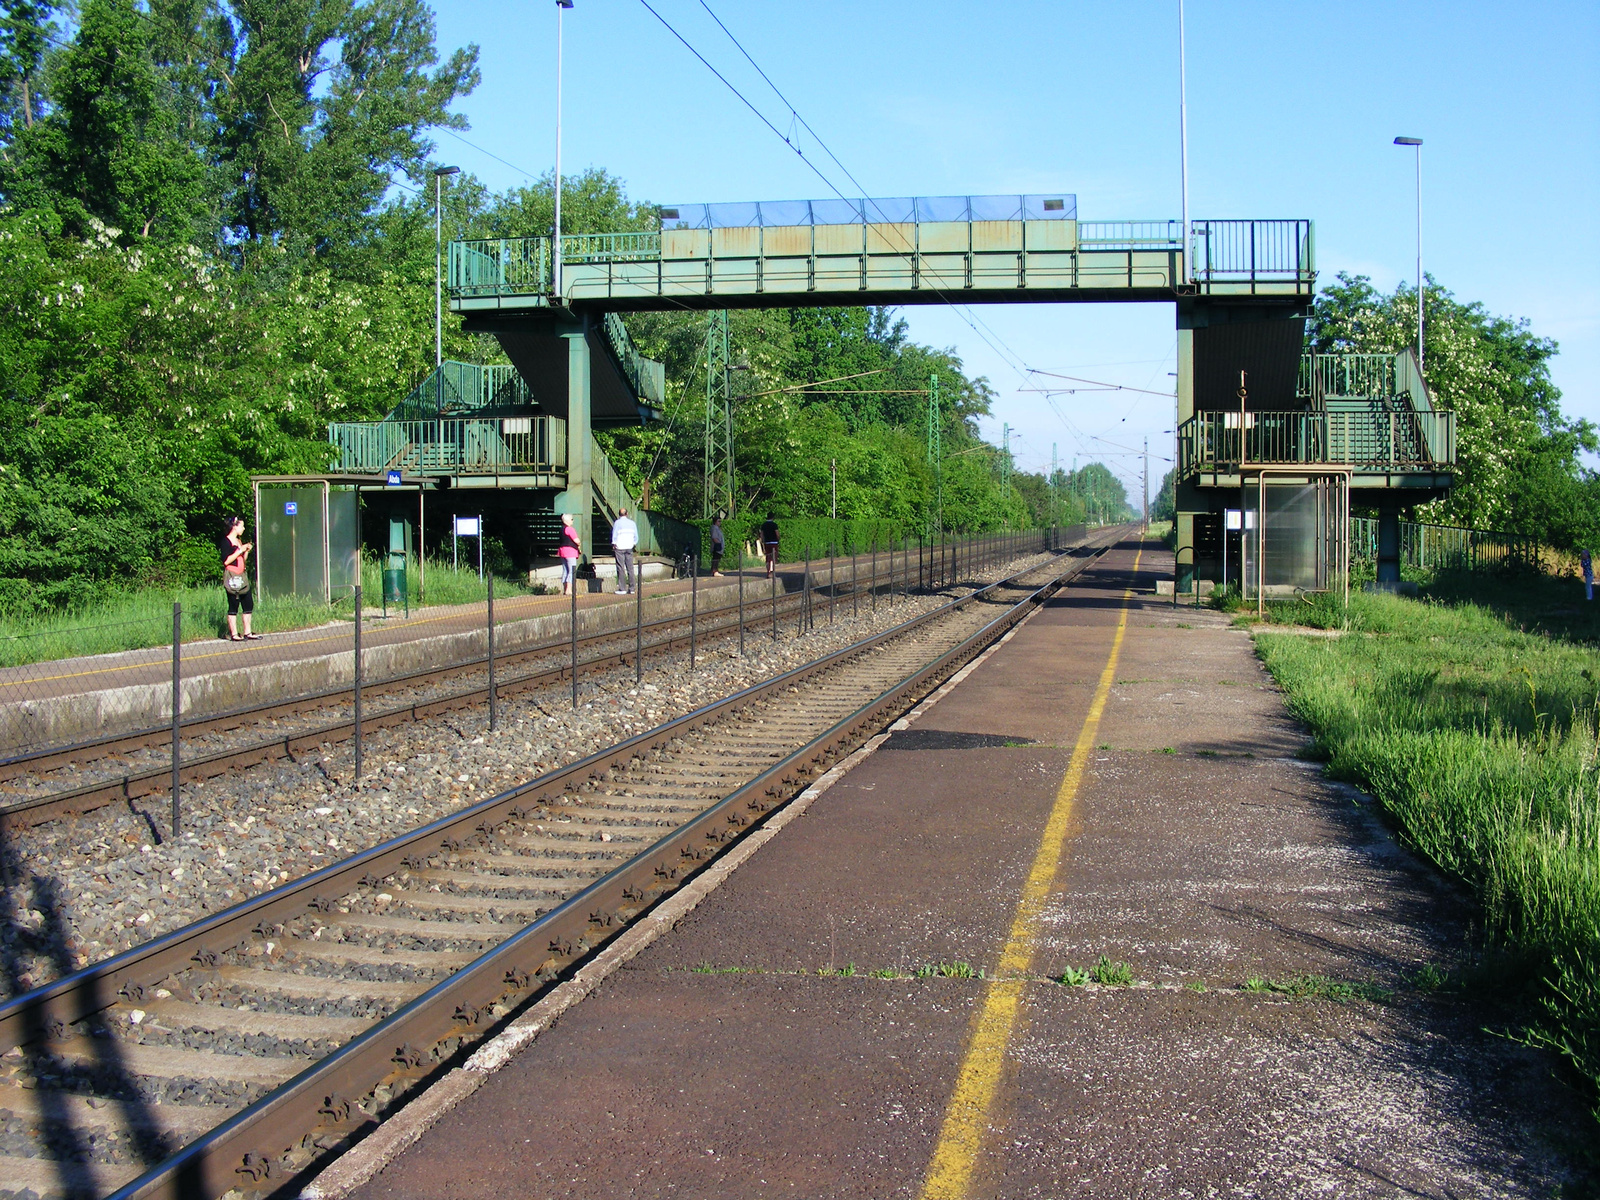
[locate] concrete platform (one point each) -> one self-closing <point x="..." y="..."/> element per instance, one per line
<point x="787" y="1037"/>
<point x="66" y="699"/>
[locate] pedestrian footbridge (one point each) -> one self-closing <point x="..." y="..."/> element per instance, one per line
<point x="920" y="250"/>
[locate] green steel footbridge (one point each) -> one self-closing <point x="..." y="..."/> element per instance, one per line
<point x="1261" y="425"/>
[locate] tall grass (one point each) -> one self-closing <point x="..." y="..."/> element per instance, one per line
<point x="137" y="619"/>
<point x="1480" y="738"/>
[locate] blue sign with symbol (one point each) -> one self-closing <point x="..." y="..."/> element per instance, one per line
<point x="290" y="508"/>
<point x="393" y="479"/>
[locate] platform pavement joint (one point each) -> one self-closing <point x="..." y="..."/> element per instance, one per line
<point x="1215" y="991"/>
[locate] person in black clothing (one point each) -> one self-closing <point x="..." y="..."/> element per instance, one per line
<point x="769" y="543"/>
<point x="235" y="552"/>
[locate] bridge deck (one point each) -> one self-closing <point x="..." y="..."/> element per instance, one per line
<point x="901" y="262"/>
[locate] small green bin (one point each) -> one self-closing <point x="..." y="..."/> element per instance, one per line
<point x="394" y="587"/>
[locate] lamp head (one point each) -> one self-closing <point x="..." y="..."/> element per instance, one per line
<point x="1405" y="141"/>
<point x="447" y="170"/>
<point x="563" y="3"/>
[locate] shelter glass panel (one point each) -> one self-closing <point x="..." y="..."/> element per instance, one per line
<point x="289" y="560"/>
<point x="344" y="541"/>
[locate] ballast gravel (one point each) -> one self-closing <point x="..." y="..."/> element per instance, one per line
<point x="82" y="890"/>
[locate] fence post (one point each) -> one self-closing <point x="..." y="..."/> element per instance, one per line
<point x="874" y="573"/>
<point x="494" y="712"/>
<point x="177" y="706"/>
<point x="638" y="621"/>
<point x="356" y="688"/>
<point x="774" y="581"/>
<point x="805" y="592"/>
<point x="572" y="633"/>
<point x="833" y="592"/>
<point x="741" y="602"/>
<point x="694" y="602"/>
<point x="855" y="604"/>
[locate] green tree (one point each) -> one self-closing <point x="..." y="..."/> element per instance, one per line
<point x="1517" y="453"/>
<point x="308" y="142"/>
<point x="109" y="151"/>
<point x="26" y="29"/>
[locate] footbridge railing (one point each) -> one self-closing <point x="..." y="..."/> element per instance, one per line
<point x="452" y="446"/>
<point x="889" y="246"/>
<point x="1398" y="440"/>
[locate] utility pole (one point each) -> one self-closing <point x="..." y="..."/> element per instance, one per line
<point x="1054" y="470"/>
<point x="1147" y="483"/>
<point x="1183" y="139"/>
<point x="719" y="419"/>
<point x="1005" y="464"/>
<point x="833" y="477"/>
<point x="555" y="240"/>
<point x="935" y="457"/>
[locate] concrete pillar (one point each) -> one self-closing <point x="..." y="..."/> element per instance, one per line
<point x="1184" y="528"/>
<point x="1388" y="546"/>
<point x="578" y="499"/>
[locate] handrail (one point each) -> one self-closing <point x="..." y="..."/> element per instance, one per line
<point x="1386" y="438"/>
<point x="1221" y="251"/>
<point x="452" y="445"/>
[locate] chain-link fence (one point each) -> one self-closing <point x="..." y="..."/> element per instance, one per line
<point x="142" y="711"/>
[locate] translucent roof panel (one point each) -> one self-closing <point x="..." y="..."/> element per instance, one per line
<point x="897" y="210"/>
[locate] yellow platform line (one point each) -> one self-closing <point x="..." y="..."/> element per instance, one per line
<point x="966" y="1117"/>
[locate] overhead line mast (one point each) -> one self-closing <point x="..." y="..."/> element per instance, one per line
<point x="719" y="419"/>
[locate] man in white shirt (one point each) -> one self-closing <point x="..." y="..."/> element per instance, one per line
<point x="624" y="538"/>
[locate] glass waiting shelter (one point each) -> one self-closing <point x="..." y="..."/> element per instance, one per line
<point x="308" y="532"/>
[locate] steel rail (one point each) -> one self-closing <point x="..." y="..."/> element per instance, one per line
<point x="279" y="1136"/>
<point x="38" y="810"/>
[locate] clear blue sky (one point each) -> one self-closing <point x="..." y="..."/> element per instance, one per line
<point x="1292" y="112"/>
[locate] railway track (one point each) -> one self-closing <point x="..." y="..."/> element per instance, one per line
<point x="68" y="781"/>
<point x="238" y="1053"/>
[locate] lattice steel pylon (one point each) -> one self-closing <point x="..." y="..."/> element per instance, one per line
<point x="935" y="458"/>
<point x="719" y="419"/>
<point x="1005" y="465"/>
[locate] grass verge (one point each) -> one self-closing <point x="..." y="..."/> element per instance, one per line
<point x="1475" y="725"/>
<point x="141" y="618"/>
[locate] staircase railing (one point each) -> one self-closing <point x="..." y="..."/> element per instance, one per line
<point x="647" y="377"/>
<point x="453" y="445"/>
<point x="1382" y="437"/>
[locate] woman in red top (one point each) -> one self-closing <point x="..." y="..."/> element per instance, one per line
<point x="568" y="553"/>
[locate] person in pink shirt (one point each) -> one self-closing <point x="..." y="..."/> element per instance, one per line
<point x="568" y="552"/>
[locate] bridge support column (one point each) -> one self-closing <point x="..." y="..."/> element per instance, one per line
<point x="578" y="499"/>
<point x="1388" y="546"/>
<point x="1183" y="525"/>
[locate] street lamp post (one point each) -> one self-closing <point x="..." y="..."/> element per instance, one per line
<point x="555" y="241"/>
<point x="1417" y="144"/>
<point x="438" y="261"/>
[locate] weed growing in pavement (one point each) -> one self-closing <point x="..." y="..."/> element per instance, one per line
<point x="1205" y="754"/>
<point x="1430" y="979"/>
<point x="1105" y="745"/>
<point x="885" y="973"/>
<point x="1111" y="974"/>
<point x="1471" y="714"/>
<point x="708" y="969"/>
<point x="1184" y="625"/>
<point x="1196" y="985"/>
<point x="1168" y="750"/>
<point x="1073" y="977"/>
<point x="955" y="970"/>
<point x="1317" y="987"/>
